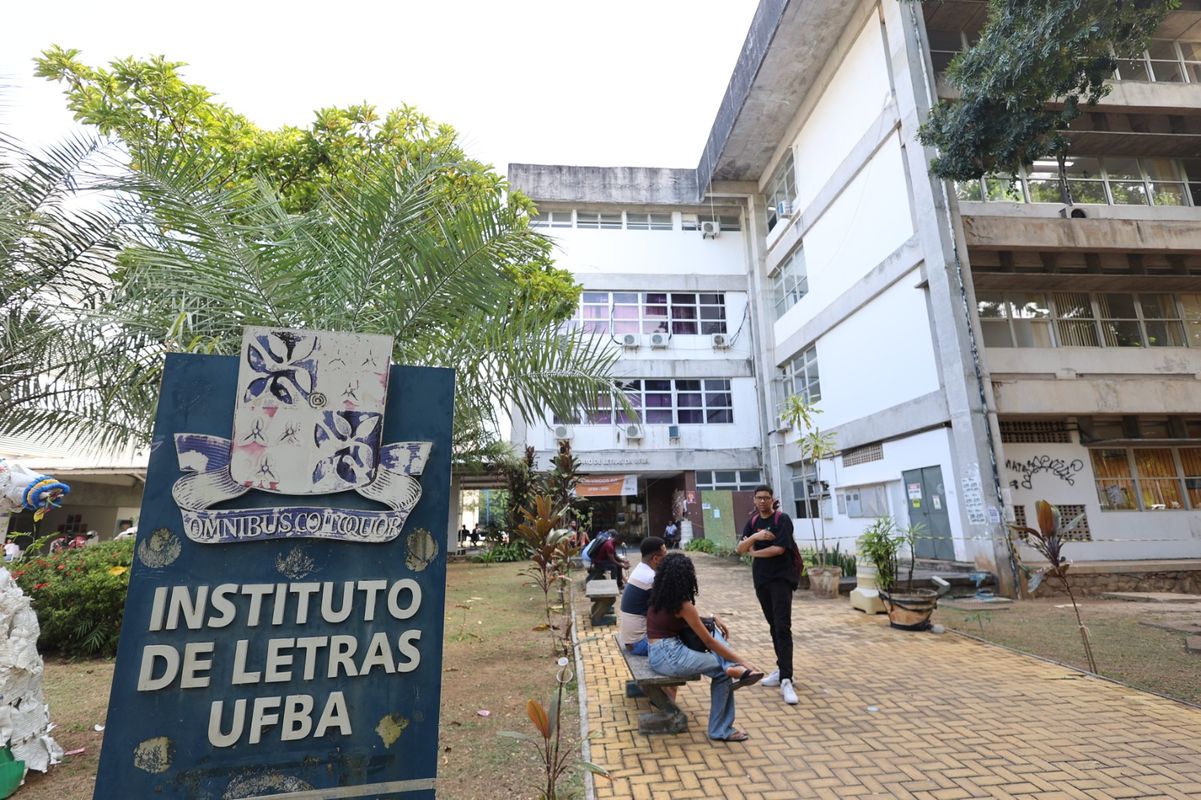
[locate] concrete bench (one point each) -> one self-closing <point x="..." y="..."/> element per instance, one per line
<point x="667" y="716"/>
<point x="603" y="595"/>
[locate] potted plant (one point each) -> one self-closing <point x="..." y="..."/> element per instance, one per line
<point x="815" y="445"/>
<point x="881" y="545"/>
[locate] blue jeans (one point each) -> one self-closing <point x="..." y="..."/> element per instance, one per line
<point x="671" y="657"/>
<point x="638" y="648"/>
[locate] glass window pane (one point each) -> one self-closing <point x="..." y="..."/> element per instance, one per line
<point x="1076" y="333"/>
<point x="596" y="297"/>
<point x="1191" y="50"/>
<point x="1083" y="167"/>
<point x="1132" y="70"/>
<point x="687" y="299"/>
<point x="1119" y="306"/>
<point x="991" y="305"/>
<point x="1122" y="168"/>
<point x="1004" y="187"/>
<point x="688" y="386"/>
<point x="690" y="416"/>
<point x="1162" y="48"/>
<point x="1115" y="489"/>
<point x="1122" y="333"/>
<point x="719" y="416"/>
<point x="1167" y="71"/>
<point x="659" y="416"/>
<point x="1128" y="193"/>
<point x="1088" y="192"/>
<point x="1044" y="191"/>
<point x="1164" y="334"/>
<point x="1168" y="194"/>
<point x="996" y="333"/>
<point x="969" y="190"/>
<point x="1158" y="306"/>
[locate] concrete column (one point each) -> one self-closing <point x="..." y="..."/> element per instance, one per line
<point x="961" y="374"/>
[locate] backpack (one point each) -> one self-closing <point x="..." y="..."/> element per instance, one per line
<point x="798" y="564"/>
<point x="592" y="547"/>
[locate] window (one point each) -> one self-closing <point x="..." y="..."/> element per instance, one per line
<point x="742" y="480"/>
<point x="1110" y="319"/>
<point x="656" y="401"/>
<point x="1164" y="61"/>
<point x="781" y="188"/>
<point x="1115" y="484"/>
<point x="808" y="492"/>
<point x="551" y="219"/>
<point x="800" y="376"/>
<point x="598" y="219"/>
<point x="790" y="282"/>
<point x="863" y="455"/>
<point x="619" y="313"/>
<point x="1015" y="319"/>
<point x="725" y="222"/>
<point x="1110" y="180"/>
<point x="727" y="218"/>
<point x="1191" y="305"/>
<point x="638" y="221"/>
<point x="1034" y="432"/>
<point x="866" y="501"/>
<point x="1148" y="478"/>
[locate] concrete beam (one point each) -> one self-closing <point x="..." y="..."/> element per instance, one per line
<point x="1134" y="395"/>
<point x="562" y="183"/>
<point x="660" y="282"/>
<point x="1030" y="233"/>
<point x="684" y="368"/>
<point x="636" y="460"/>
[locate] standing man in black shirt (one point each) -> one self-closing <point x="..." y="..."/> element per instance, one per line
<point x="767" y="536"/>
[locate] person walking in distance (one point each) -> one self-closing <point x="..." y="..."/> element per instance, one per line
<point x="767" y="537"/>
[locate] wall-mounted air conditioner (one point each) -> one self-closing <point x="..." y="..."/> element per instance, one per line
<point x="632" y="432"/>
<point x="673" y="431"/>
<point x="710" y="229"/>
<point x="721" y="341"/>
<point x="660" y="340"/>
<point x="690" y="222"/>
<point x="783" y="423"/>
<point x="562" y="432"/>
<point x="631" y="341"/>
<point x="783" y="209"/>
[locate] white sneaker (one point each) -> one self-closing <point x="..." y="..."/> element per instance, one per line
<point x="789" y="693"/>
<point x="772" y="679"/>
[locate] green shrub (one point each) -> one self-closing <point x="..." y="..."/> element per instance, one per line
<point x="700" y="546"/>
<point x="504" y="553"/>
<point x="78" y="595"/>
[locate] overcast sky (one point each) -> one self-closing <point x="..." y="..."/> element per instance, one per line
<point x="618" y="83"/>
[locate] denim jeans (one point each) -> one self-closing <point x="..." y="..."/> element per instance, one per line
<point x="671" y="657"/>
<point x="639" y="648"/>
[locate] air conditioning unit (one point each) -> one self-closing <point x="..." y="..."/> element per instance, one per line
<point x="562" y="432"/>
<point x="690" y="222"/>
<point x="710" y="229"/>
<point x="673" y="431"/>
<point x="631" y="341"/>
<point x="783" y="209"/>
<point x="632" y="432"/>
<point x="660" y="340"/>
<point x="783" y="424"/>
<point x="721" y="341"/>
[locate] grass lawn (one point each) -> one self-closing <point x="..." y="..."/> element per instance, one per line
<point x="1126" y="650"/>
<point x="493" y="660"/>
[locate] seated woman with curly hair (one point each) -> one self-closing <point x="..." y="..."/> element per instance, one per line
<point x="671" y="609"/>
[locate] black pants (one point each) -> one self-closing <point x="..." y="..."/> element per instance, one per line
<point x="775" y="598"/>
<point x="599" y="568"/>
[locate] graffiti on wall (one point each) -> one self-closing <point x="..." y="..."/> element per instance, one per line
<point x="1061" y="468"/>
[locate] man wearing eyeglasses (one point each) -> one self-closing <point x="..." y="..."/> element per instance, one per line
<point x="767" y="537"/>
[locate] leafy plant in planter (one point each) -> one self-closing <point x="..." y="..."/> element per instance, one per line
<point x="881" y="545"/>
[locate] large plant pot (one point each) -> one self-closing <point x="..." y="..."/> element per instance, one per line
<point x="911" y="610"/>
<point x="823" y="581"/>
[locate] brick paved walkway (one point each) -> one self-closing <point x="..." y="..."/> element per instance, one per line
<point x="889" y="714"/>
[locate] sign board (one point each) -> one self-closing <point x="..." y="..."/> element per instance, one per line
<point x="283" y="630"/>
<point x="607" y="486"/>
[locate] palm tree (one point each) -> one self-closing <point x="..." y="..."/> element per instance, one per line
<point x="392" y="251"/>
<point x="57" y="250"/>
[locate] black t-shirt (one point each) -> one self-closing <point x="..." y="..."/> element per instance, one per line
<point x="781" y="567"/>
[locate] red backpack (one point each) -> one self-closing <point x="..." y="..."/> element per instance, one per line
<point x="798" y="564"/>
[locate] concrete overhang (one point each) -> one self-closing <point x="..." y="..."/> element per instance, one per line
<point x="1054" y="233"/>
<point x="781" y="61"/>
<point x="558" y="183"/>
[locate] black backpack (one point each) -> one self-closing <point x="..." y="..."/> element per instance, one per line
<point x="591" y="548"/>
<point x="798" y="564"/>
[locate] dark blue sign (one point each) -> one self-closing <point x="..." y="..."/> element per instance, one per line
<point x="278" y="644"/>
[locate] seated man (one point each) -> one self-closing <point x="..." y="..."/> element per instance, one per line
<point x="606" y="560"/>
<point x="636" y="596"/>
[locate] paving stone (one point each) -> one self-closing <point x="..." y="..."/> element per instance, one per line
<point x="1193" y="644"/>
<point x="956" y="718"/>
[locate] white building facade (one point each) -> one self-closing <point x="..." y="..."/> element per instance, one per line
<point x="972" y="348"/>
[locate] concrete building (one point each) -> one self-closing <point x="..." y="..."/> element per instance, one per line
<point x="972" y="347"/>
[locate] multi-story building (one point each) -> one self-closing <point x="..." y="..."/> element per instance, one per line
<point x="972" y="347"/>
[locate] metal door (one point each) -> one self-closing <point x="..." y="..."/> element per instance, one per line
<point x="928" y="505"/>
